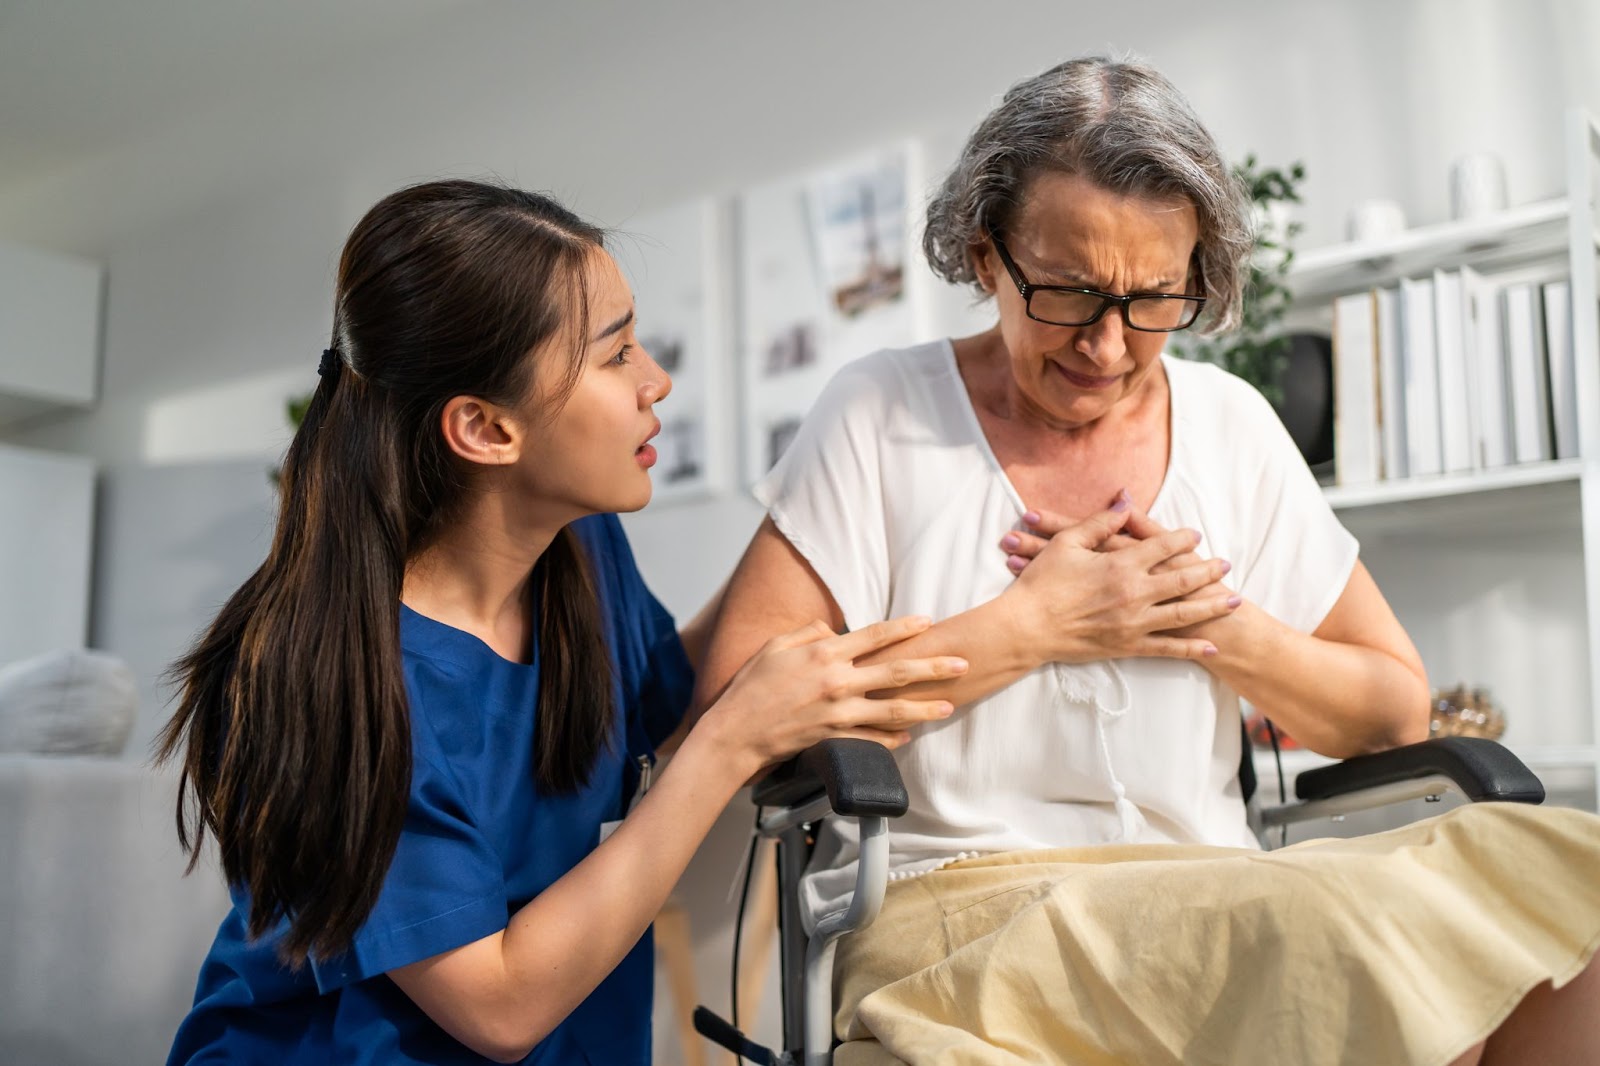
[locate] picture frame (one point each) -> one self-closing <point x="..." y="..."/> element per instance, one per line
<point x="828" y="272"/>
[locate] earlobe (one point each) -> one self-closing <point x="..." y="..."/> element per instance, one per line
<point x="982" y="266"/>
<point x="480" y="432"/>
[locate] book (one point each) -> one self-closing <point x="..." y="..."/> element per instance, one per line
<point x="1486" y="358"/>
<point x="1563" y="367"/>
<point x="1424" y="446"/>
<point x="1458" y="428"/>
<point x="1357" y="448"/>
<point x="1391" y="383"/>
<point x="1526" y="370"/>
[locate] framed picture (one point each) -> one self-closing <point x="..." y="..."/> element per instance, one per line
<point x="825" y="276"/>
<point x="673" y="260"/>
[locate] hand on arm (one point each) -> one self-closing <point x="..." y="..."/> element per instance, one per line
<point x="503" y="994"/>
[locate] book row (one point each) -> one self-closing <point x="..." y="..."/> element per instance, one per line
<point x="1452" y="373"/>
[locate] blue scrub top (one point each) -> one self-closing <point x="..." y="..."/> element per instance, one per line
<point x="480" y="840"/>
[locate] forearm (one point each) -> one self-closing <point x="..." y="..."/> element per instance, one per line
<point x="774" y="590"/>
<point x="989" y="636"/>
<point x="1338" y="699"/>
<point x="558" y="948"/>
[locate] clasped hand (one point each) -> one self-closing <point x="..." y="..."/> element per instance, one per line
<point x="810" y="685"/>
<point x="1115" y="585"/>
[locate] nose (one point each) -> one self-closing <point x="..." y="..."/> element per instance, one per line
<point x="656" y="385"/>
<point x="1105" y="342"/>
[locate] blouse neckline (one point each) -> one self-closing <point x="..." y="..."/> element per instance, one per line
<point x="970" y="414"/>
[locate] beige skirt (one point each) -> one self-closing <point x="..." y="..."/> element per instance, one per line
<point x="1403" y="947"/>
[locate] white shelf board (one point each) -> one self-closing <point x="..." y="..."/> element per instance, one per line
<point x="1528" y="497"/>
<point x="1517" y="235"/>
<point x="1404" y="490"/>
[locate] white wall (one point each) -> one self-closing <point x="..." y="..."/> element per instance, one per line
<point x="173" y="542"/>
<point x="220" y="229"/>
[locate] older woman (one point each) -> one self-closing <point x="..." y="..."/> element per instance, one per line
<point x="1075" y="880"/>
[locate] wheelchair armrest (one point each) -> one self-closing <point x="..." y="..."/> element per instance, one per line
<point x="859" y="777"/>
<point x="1481" y="769"/>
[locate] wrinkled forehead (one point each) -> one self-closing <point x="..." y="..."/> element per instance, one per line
<point x="1066" y="221"/>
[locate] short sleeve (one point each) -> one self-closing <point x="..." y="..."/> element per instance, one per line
<point x="826" y="493"/>
<point x="444" y="889"/>
<point x="656" y="678"/>
<point x="1299" y="557"/>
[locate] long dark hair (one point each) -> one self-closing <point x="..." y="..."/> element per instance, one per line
<point x="293" y="713"/>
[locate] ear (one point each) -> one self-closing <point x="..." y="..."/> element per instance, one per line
<point x="481" y="432"/>
<point x="985" y="264"/>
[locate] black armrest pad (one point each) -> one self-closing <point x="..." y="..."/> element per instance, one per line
<point x="859" y="777"/>
<point x="1480" y="768"/>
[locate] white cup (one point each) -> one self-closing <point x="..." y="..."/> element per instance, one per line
<point x="1477" y="186"/>
<point x="1372" y="220"/>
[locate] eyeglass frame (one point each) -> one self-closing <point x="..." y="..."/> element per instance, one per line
<point x="1026" y="289"/>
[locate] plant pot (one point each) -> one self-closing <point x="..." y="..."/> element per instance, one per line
<point x="1306" y="385"/>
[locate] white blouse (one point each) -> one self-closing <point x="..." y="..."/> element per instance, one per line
<point x="893" y="495"/>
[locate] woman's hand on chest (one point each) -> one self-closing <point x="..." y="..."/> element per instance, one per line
<point x="1089" y="590"/>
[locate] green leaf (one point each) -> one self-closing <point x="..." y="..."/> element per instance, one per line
<point x="295" y="408"/>
<point x="1258" y="350"/>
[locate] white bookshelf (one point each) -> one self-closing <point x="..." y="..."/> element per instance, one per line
<point x="1496" y="573"/>
<point x="1519" y="235"/>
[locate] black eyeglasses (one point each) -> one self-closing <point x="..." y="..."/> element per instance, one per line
<point x="1066" y="305"/>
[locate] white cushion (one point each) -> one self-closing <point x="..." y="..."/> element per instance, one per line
<point x="72" y="702"/>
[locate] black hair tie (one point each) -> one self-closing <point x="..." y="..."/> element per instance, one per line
<point x="330" y="363"/>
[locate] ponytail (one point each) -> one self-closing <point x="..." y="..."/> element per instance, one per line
<point x="294" y="703"/>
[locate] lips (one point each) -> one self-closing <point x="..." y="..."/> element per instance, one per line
<point x="645" y="454"/>
<point x="1086" y="381"/>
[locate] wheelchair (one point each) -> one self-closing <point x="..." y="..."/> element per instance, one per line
<point x="859" y="779"/>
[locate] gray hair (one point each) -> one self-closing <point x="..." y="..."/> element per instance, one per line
<point x="1120" y="124"/>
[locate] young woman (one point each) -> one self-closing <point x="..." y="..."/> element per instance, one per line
<point x="414" y="730"/>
